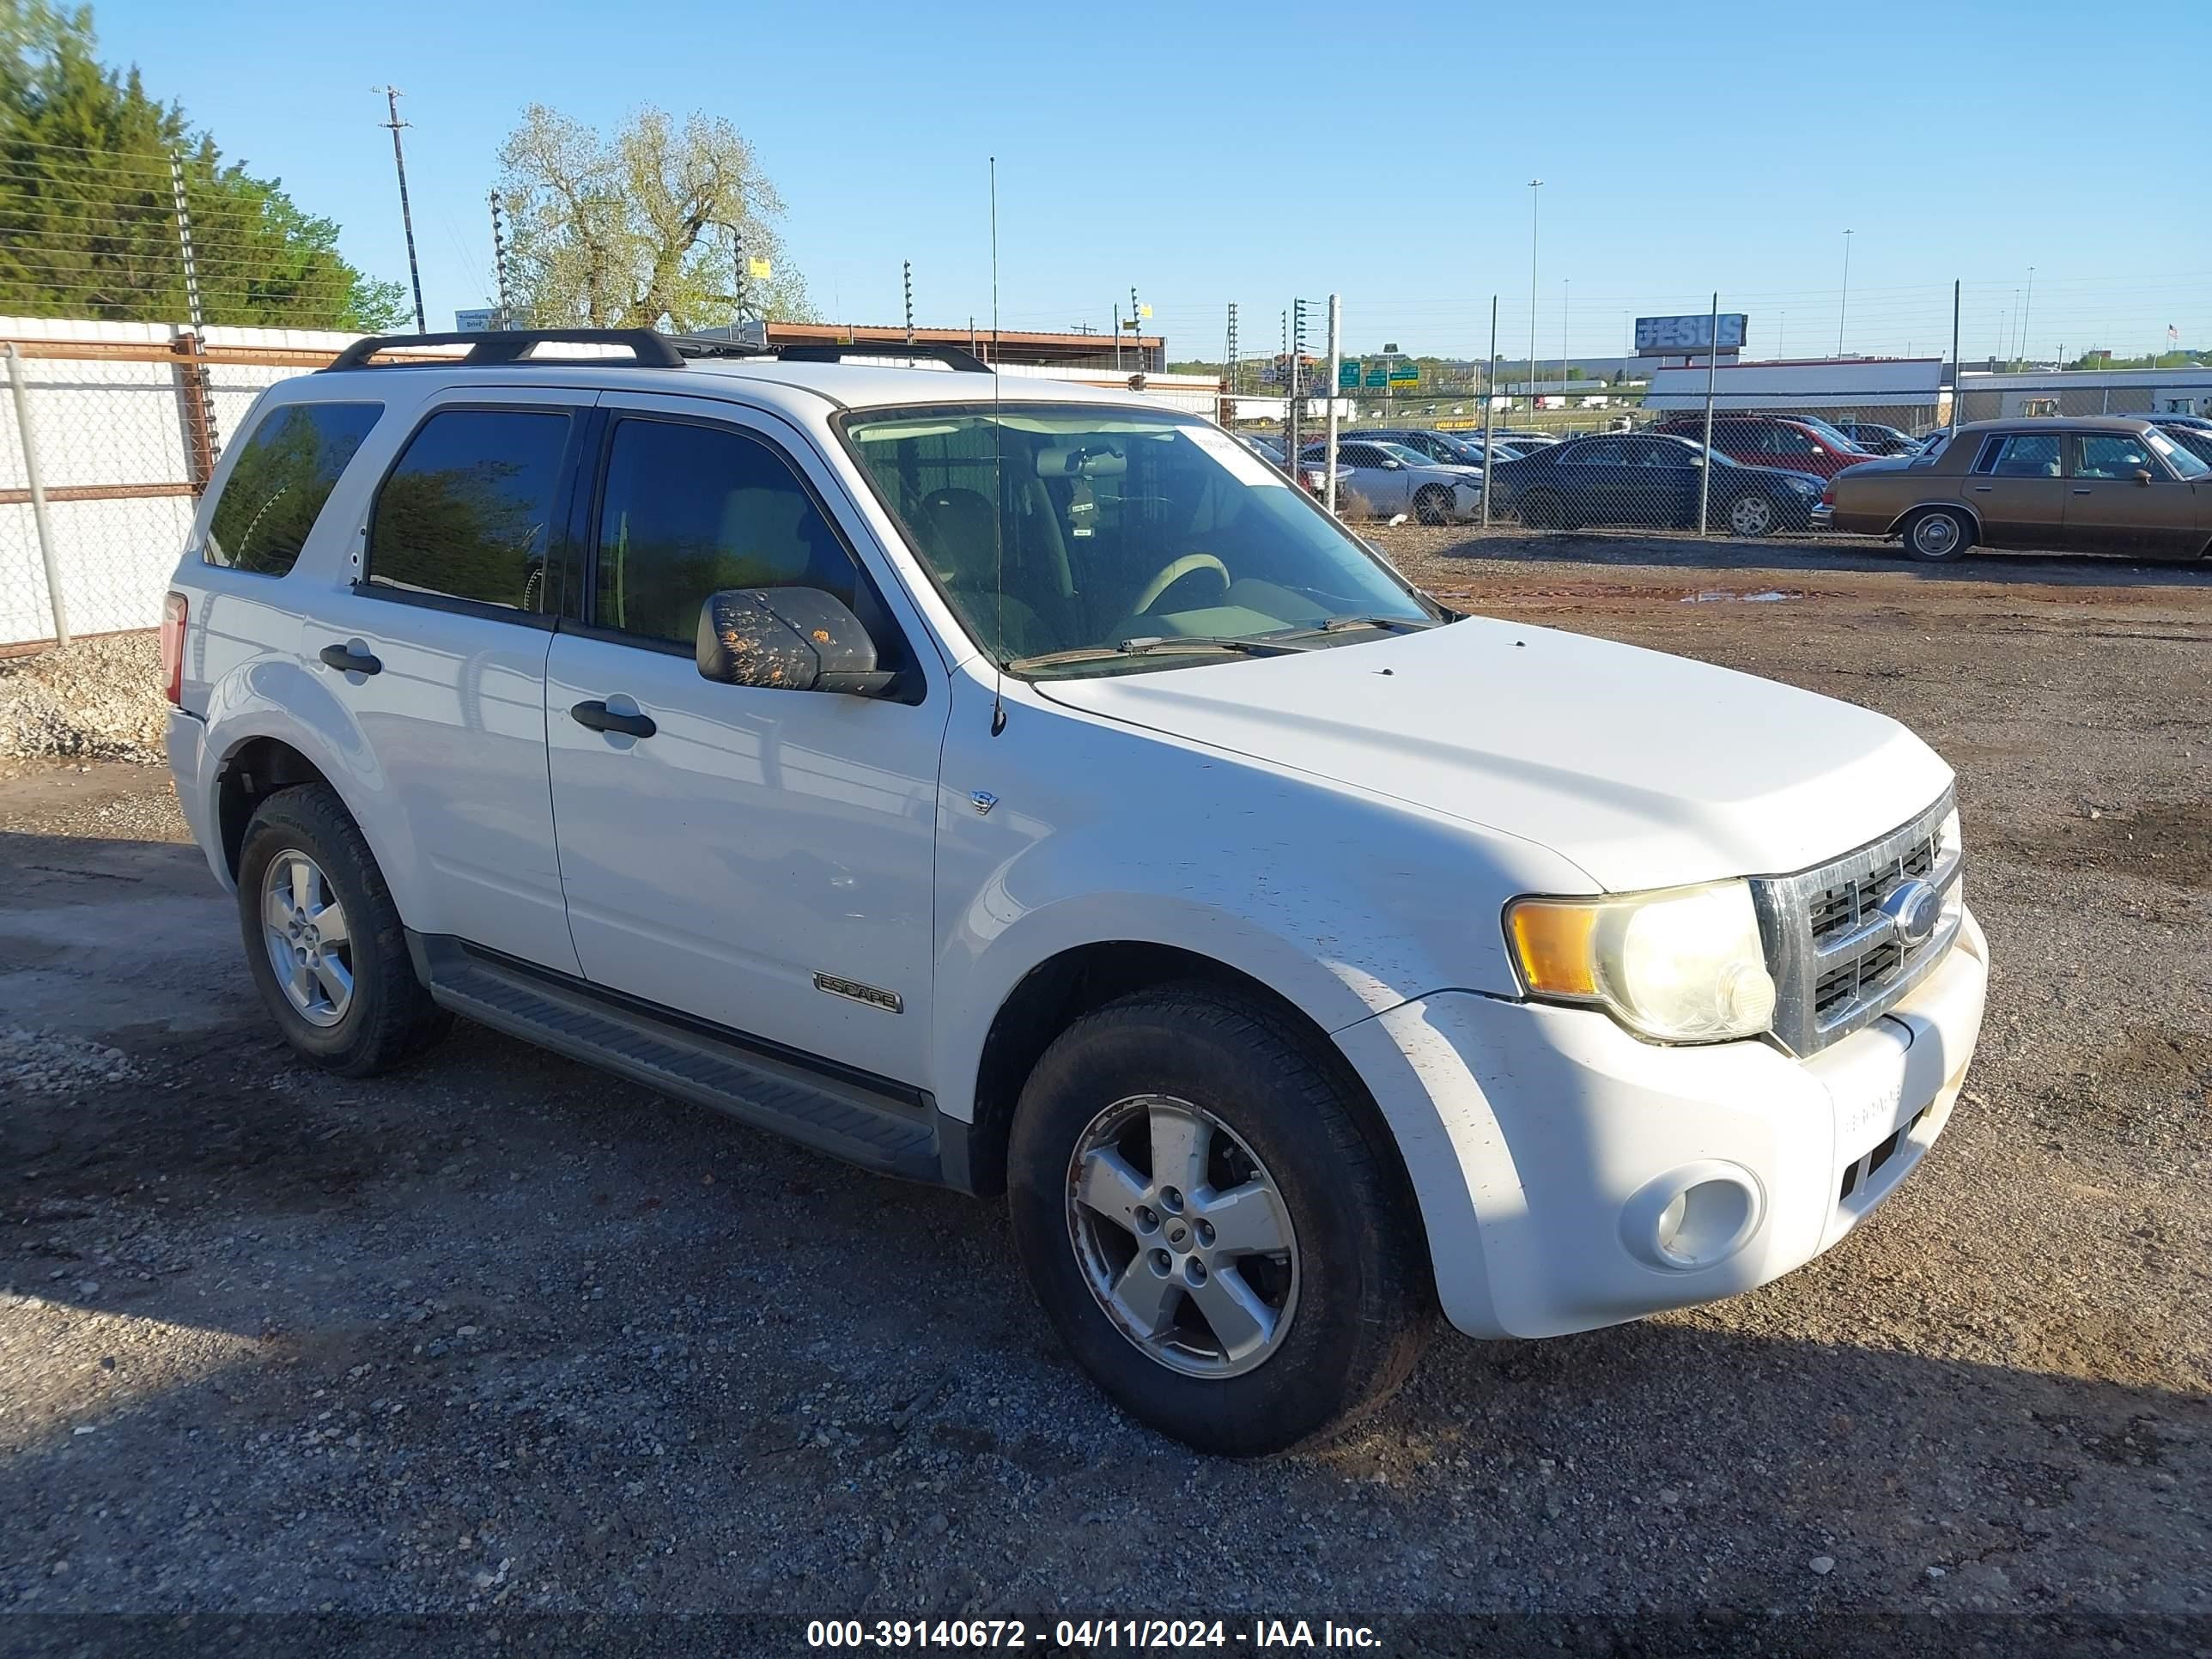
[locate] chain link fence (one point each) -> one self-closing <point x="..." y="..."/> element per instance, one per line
<point x="109" y="436"/>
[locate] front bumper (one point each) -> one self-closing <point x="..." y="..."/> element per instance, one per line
<point x="1546" y="1145"/>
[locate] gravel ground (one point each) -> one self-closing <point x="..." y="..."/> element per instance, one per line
<point x="501" y="1333"/>
<point x="100" y="698"/>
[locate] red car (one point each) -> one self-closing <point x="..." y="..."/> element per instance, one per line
<point x="1798" y="443"/>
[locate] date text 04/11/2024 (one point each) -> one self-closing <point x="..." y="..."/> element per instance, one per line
<point x="1086" y="1634"/>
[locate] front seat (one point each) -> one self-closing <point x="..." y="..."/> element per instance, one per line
<point x="957" y="534"/>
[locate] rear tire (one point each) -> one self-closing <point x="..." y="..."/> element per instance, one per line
<point x="349" y="1001"/>
<point x="1309" y="1304"/>
<point x="1753" y="515"/>
<point x="1937" y="535"/>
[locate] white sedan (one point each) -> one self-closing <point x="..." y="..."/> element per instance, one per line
<point x="1393" y="479"/>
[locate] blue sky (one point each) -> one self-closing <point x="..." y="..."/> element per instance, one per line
<point x="1219" y="151"/>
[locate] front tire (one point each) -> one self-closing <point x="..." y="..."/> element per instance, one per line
<point x="1432" y="504"/>
<point x="323" y="940"/>
<point x="1542" y="510"/>
<point x="1938" y="535"/>
<point x="1215" y="1224"/>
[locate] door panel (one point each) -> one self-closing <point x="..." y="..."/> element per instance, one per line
<point x="2016" y="490"/>
<point x="452" y="772"/>
<point x="2108" y="511"/>
<point x="756" y="838"/>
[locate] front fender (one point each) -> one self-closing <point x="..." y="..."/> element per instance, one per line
<point x="1344" y="903"/>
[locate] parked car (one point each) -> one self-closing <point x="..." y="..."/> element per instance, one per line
<point x="1015" y="787"/>
<point x="1445" y="448"/>
<point x="1875" y="438"/>
<point x="2096" y="485"/>
<point x="1393" y="479"/>
<point x="2192" y="432"/>
<point x="1313" y="478"/>
<point x="1647" y="478"/>
<point x="1800" y="443"/>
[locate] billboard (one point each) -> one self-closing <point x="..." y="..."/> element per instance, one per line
<point x="1665" y="336"/>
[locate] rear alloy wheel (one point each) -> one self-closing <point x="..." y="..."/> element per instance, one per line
<point x="1753" y="515"/>
<point x="1432" y="504"/>
<point x="1938" y="535"/>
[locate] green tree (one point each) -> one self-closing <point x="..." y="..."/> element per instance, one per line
<point x="643" y="230"/>
<point x="87" y="212"/>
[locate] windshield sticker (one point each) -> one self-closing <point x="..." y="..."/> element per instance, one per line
<point x="1241" y="462"/>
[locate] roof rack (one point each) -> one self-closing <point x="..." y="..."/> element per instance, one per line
<point x="952" y="356"/>
<point x="648" y="350"/>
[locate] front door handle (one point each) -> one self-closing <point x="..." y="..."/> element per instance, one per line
<point x="351" y="661"/>
<point x="1984" y="489"/>
<point x="600" y="718"/>
<point x="2081" y="492"/>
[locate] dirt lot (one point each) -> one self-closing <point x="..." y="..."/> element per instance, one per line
<point x="501" y="1332"/>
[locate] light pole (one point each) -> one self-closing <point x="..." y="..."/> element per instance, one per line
<point x="2027" y="305"/>
<point x="1534" y="184"/>
<point x="1844" y="305"/>
<point x="1567" y="288"/>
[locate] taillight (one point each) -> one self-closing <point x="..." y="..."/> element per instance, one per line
<point x="1828" y="496"/>
<point x="173" y="611"/>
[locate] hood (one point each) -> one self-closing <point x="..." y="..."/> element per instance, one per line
<point x="1645" y="770"/>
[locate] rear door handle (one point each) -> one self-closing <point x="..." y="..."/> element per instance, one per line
<point x="600" y="718"/>
<point x="344" y="657"/>
<point x="2081" y="492"/>
<point x="1984" y="489"/>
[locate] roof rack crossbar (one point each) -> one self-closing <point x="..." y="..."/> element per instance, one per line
<point x="647" y="349"/>
<point x="952" y="356"/>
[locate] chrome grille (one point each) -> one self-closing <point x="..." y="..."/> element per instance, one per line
<point x="1836" y="960"/>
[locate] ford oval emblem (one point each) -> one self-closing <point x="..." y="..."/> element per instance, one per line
<point x="1913" y="908"/>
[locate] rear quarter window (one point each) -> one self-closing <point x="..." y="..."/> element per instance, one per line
<point x="282" y="477"/>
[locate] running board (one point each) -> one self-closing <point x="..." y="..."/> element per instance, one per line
<point x="890" y="1129"/>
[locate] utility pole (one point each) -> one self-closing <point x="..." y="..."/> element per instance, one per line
<point x="2028" y="305"/>
<point x="1844" y="305"/>
<point x="206" y="440"/>
<point x="906" y="270"/>
<point x="1954" y="357"/>
<point x="498" y="265"/>
<point x="1335" y="373"/>
<point x="1706" y="460"/>
<point x="1490" y="414"/>
<point x="1566" y="288"/>
<point x="406" y="213"/>
<point x="1534" y="184"/>
<point x="1136" y="328"/>
<point x="1229" y="357"/>
<point x="737" y="266"/>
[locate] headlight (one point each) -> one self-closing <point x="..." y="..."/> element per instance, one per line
<point x="1805" y="486"/>
<point x="1685" y="964"/>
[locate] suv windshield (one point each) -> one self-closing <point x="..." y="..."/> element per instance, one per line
<point x="1112" y="526"/>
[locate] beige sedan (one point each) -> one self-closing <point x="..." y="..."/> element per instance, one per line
<point x="2104" y="485"/>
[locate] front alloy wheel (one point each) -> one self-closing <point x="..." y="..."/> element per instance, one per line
<point x="1182" y="1236"/>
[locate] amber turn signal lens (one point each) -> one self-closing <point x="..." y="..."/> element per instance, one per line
<point x="1553" y="944"/>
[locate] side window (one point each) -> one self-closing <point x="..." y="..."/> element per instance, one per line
<point x="1358" y="454"/>
<point x="1646" y="452"/>
<point x="689" y="510"/>
<point x="1604" y="453"/>
<point x="1788" y="441"/>
<point x="2114" y="455"/>
<point x="467" y="511"/>
<point x="281" y="478"/>
<point x="2028" y="455"/>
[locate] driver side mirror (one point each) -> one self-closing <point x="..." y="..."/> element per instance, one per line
<point x="787" y="639"/>
<point x="1392" y="463"/>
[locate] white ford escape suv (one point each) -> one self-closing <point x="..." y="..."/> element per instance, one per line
<point x="1008" y="785"/>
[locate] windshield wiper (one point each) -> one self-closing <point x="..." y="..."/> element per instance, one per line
<point x="1150" y="642"/>
<point x="1387" y="624"/>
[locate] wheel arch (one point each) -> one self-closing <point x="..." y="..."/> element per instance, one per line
<point x="248" y="774"/>
<point x="1059" y="990"/>
<point x="1896" y="524"/>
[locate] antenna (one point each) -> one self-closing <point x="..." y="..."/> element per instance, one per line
<point x="998" y="482"/>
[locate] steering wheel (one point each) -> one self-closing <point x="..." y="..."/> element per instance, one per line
<point x="1175" y="572"/>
